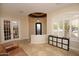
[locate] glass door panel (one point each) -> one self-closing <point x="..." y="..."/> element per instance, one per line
<point x="55" y="28"/>
<point x="15" y="29"/>
<point x="74" y="29"/>
<point x="60" y="28"/>
<point x="66" y="28"/>
<point x="7" y="30"/>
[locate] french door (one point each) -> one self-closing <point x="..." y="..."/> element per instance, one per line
<point x="10" y="30"/>
<point x="7" y="30"/>
<point x="67" y="28"/>
<point x="58" y="28"/>
<point x="74" y="29"/>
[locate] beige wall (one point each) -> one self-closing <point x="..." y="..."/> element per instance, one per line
<point x="32" y="22"/>
<point x="0" y="30"/>
<point x="24" y="27"/>
<point x="0" y="21"/>
<point x="61" y="11"/>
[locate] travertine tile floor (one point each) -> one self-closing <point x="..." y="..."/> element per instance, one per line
<point x="45" y="50"/>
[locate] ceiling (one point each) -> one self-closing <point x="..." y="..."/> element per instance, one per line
<point x="27" y="8"/>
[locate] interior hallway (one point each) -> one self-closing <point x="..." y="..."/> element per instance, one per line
<point x="35" y="22"/>
<point x="45" y="50"/>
